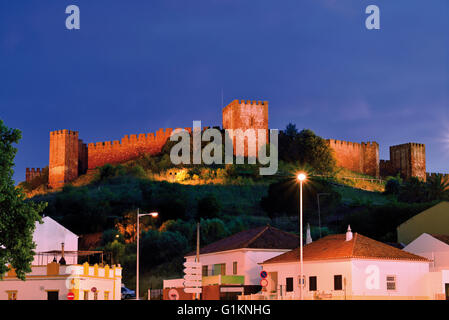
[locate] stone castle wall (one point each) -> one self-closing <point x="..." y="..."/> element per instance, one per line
<point x="33" y="173"/>
<point x="130" y="147"/>
<point x="358" y="157"/>
<point x="70" y="157"/>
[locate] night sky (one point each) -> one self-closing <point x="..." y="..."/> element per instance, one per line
<point x="137" y="66"/>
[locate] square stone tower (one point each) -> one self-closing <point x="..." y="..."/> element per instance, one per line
<point x="245" y="115"/>
<point x="409" y="160"/>
<point x="64" y="157"/>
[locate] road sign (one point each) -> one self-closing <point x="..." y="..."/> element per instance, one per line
<point x="93" y="289"/>
<point x="264" y="282"/>
<point x="192" y="264"/>
<point x="70" y="296"/>
<point x="193" y="277"/>
<point x="192" y="271"/>
<point x="173" y="294"/>
<point x="188" y="283"/>
<point x="263" y="274"/>
<point x="192" y="290"/>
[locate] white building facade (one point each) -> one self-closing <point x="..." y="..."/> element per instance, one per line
<point x="64" y="282"/>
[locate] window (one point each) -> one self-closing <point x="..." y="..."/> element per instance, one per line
<point x="391" y="283"/>
<point x="52" y="295"/>
<point x="96" y="295"/>
<point x="12" y="295"/>
<point x="234" y="267"/>
<point x="289" y="285"/>
<point x="86" y="295"/>
<point x="205" y="270"/>
<point x="220" y="269"/>
<point x="312" y="283"/>
<point x="106" y="295"/>
<point x="338" y="282"/>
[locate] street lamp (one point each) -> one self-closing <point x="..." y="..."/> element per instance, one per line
<point x="153" y="215"/>
<point x="301" y="178"/>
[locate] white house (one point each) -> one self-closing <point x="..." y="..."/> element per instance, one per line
<point x="49" y="236"/>
<point x="241" y="253"/>
<point x="235" y="260"/>
<point x="347" y="266"/>
<point x="435" y="248"/>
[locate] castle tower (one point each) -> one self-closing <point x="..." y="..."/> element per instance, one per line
<point x="64" y="157"/>
<point x="409" y="160"/>
<point x="246" y="115"/>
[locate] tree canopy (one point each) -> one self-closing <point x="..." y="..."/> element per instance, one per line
<point x="17" y="216"/>
<point x="306" y="148"/>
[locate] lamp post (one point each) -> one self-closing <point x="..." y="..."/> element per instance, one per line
<point x="154" y="215"/>
<point x="301" y="177"/>
<point x="319" y="210"/>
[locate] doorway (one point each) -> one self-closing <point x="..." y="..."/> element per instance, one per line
<point x="52" y="295"/>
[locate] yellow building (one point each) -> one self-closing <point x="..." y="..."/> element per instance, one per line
<point x="434" y="220"/>
<point x="55" y="281"/>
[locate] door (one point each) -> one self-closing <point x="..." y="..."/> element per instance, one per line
<point x="52" y="295"/>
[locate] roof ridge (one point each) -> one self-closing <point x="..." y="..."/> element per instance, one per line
<point x="354" y="243"/>
<point x="246" y="244"/>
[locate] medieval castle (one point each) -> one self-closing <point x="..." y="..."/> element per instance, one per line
<point x="70" y="157"/>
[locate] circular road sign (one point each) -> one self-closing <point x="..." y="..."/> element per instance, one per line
<point x="93" y="289"/>
<point x="173" y="294"/>
<point x="264" y="282"/>
<point x="70" y="296"/>
<point x="263" y="274"/>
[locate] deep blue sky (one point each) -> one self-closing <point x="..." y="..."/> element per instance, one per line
<point x="137" y="66"/>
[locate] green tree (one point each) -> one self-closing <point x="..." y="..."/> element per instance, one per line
<point x="17" y="216"/>
<point x="306" y="148"/>
<point x="208" y="207"/>
<point x="438" y="188"/>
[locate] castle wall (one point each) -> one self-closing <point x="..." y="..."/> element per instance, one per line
<point x="246" y="115"/>
<point x="63" y="166"/>
<point x="445" y="176"/>
<point x="358" y="157"/>
<point x="32" y="173"/>
<point x="130" y="147"/>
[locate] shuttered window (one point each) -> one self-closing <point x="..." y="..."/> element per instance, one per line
<point x="312" y="283"/>
<point x="338" y="282"/>
<point x="289" y="284"/>
<point x="391" y="283"/>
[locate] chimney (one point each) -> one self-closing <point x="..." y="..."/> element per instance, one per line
<point x="62" y="260"/>
<point x="308" y="236"/>
<point x="349" y="234"/>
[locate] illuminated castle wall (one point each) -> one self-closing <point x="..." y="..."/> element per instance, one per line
<point x="70" y="157"/>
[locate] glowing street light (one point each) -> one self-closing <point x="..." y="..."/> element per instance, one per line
<point x="153" y="215"/>
<point x="301" y="178"/>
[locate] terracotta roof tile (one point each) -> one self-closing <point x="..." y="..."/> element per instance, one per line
<point x="336" y="247"/>
<point x="265" y="237"/>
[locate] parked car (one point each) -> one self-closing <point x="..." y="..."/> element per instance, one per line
<point x="127" y="293"/>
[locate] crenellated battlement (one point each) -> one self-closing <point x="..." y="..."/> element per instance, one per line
<point x="32" y="173"/>
<point x="431" y="175"/>
<point x="63" y="132"/>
